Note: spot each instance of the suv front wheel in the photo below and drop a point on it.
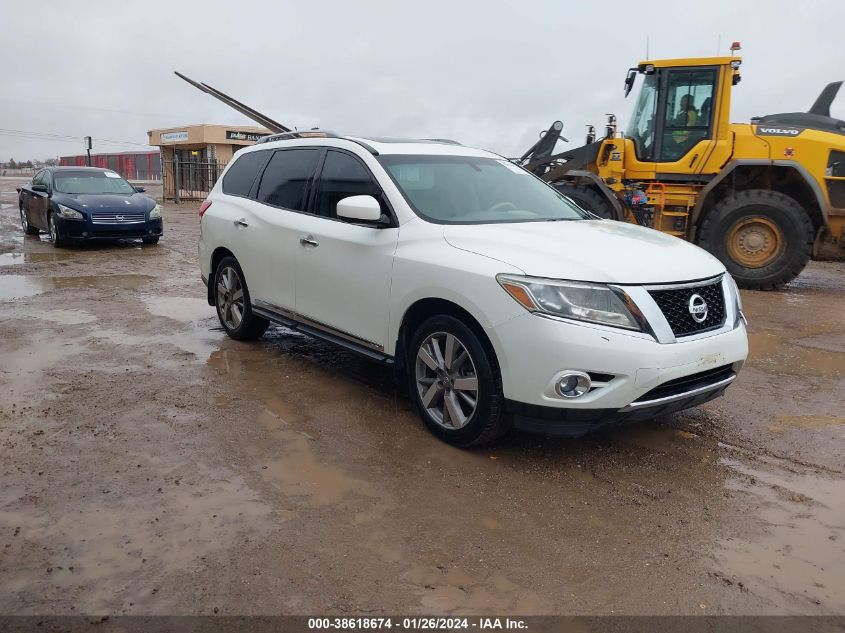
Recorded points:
(455, 383)
(231, 297)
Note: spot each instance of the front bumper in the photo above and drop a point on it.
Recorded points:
(86, 230)
(534, 352)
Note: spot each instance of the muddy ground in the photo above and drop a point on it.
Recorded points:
(148, 464)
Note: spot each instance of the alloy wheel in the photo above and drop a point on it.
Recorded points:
(446, 380)
(230, 298)
(24, 223)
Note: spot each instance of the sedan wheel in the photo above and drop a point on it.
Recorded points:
(28, 229)
(55, 238)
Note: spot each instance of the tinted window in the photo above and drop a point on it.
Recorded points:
(39, 178)
(286, 178)
(238, 180)
(343, 176)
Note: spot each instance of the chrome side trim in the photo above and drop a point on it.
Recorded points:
(680, 396)
(297, 318)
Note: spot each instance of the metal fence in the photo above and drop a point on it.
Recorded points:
(189, 179)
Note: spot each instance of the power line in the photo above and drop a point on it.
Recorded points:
(63, 137)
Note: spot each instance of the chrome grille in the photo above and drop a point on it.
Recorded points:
(675, 305)
(117, 218)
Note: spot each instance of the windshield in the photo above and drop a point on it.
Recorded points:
(641, 129)
(470, 190)
(91, 182)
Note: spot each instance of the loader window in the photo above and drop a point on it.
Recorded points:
(687, 118)
(641, 129)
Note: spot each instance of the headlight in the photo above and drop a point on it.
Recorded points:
(592, 303)
(156, 212)
(69, 214)
(740, 315)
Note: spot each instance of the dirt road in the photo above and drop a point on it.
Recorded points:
(148, 464)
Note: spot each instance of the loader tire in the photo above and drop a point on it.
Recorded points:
(590, 200)
(764, 238)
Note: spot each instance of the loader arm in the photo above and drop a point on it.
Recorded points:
(261, 119)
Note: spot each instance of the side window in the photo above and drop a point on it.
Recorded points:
(285, 181)
(689, 110)
(343, 176)
(38, 179)
(238, 180)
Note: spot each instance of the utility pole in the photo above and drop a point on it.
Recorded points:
(88, 148)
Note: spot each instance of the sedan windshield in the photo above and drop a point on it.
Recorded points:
(91, 182)
(472, 190)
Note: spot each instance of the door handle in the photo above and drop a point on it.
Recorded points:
(241, 222)
(308, 240)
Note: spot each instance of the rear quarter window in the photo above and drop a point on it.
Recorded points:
(242, 174)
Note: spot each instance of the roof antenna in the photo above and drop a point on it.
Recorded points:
(646, 47)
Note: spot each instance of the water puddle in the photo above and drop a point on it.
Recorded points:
(299, 473)
(787, 353)
(22, 286)
(66, 317)
(180, 308)
(197, 343)
(109, 282)
(799, 557)
(11, 259)
(17, 258)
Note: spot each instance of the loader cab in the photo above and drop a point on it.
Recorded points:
(674, 122)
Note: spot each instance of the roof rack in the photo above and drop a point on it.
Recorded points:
(298, 134)
(445, 141)
(315, 134)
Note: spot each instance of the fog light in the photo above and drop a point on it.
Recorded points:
(573, 384)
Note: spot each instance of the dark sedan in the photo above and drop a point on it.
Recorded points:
(87, 203)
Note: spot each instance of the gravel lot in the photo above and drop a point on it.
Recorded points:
(150, 465)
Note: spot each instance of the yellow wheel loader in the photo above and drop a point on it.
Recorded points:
(764, 197)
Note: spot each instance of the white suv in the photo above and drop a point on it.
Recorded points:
(503, 303)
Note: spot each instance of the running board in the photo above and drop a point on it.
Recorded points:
(323, 332)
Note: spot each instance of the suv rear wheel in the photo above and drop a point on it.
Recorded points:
(234, 309)
(455, 383)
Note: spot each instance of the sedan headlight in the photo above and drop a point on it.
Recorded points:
(593, 303)
(69, 214)
(156, 212)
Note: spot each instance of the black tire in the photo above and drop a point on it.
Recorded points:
(28, 229)
(781, 221)
(55, 237)
(150, 240)
(590, 200)
(488, 420)
(250, 326)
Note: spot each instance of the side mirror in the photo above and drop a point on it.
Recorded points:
(41, 188)
(140, 189)
(361, 208)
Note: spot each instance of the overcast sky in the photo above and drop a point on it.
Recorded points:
(487, 73)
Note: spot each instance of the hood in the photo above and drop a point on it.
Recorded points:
(587, 250)
(105, 201)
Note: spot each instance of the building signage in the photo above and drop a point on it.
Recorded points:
(232, 135)
(170, 137)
